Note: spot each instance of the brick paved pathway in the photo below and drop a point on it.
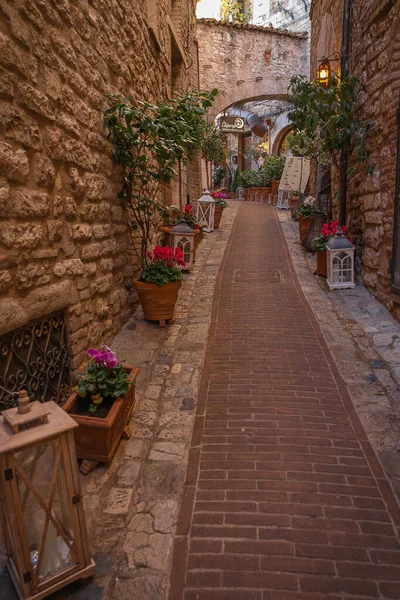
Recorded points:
(284, 497)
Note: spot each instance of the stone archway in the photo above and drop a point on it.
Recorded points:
(233, 58)
(280, 137)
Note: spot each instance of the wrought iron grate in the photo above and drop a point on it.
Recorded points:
(36, 358)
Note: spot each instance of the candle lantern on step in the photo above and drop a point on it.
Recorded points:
(340, 258)
(183, 238)
(205, 210)
(41, 505)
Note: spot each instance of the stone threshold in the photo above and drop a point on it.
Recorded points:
(364, 340)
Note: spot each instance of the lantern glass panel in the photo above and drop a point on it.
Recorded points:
(185, 245)
(45, 505)
(342, 268)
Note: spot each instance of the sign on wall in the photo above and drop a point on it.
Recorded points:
(231, 124)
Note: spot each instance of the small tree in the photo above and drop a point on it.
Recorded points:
(148, 142)
(187, 125)
(213, 146)
(326, 119)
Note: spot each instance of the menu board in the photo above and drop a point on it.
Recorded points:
(296, 173)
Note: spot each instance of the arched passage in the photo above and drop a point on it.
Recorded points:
(248, 62)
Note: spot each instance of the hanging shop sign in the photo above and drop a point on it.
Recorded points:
(231, 124)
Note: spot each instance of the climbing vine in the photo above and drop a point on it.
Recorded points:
(237, 11)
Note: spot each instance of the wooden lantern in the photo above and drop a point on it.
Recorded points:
(205, 209)
(183, 238)
(40, 500)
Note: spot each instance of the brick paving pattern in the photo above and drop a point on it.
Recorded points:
(284, 497)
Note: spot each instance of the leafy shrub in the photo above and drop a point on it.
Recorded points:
(103, 378)
(163, 266)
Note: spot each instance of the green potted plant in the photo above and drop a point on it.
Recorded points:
(159, 283)
(305, 212)
(319, 244)
(220, 205)
(274, 166)
(102, 404)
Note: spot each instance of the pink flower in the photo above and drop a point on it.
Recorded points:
(104, 357)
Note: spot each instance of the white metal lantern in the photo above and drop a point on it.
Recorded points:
(40, 499)
(205, 209)
(183, 238)
(283, 196)
(340, 262)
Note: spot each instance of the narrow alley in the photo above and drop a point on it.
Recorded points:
(284, 497)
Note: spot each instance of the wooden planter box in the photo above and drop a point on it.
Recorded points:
(97, 439)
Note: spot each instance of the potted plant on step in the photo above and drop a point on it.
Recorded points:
(220, 205)
(158, 285)
(305, 212)
(102, 404)
(319, 245)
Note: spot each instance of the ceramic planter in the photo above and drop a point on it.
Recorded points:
(322, 268)
(217, 216)
(304, 225)
(97, 438)
(158, 302)
(265, 192)
(293, 204)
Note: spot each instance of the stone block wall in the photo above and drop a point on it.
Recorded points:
(63, 236)
(375, 61)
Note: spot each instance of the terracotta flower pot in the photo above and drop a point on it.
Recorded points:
(275, 188)
(97, 438)
(245, 194)
(304, 225)
(167, 236)
(217, 216)
(322, 268)
(293, 203)
(158, 302)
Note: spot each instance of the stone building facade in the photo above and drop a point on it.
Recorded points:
(232, 58)
(372, 200)
(64, 243)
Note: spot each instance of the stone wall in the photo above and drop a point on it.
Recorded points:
(375, 61)
(63, 238)
(232, 58)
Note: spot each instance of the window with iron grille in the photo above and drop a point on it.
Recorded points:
(36, 358)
